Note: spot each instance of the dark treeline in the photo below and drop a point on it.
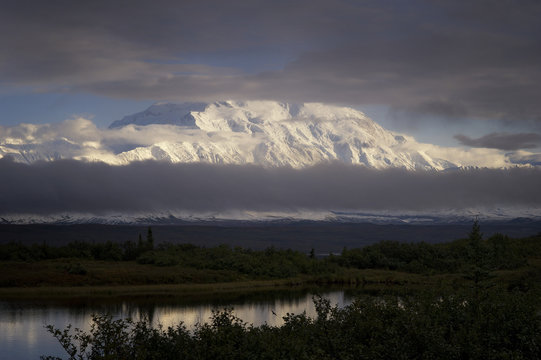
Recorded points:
(127, 251)
(494, 253)
(497, 252)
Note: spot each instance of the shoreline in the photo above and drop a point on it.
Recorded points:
(380, 281)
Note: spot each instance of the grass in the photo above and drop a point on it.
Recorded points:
(57, 279)
(51, 279)
(131, 291)
(79, 277)
(77, 272)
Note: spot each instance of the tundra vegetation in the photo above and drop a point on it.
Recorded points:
(461, 325)
(473, 298)
(145, 262)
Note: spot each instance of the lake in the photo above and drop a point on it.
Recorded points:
(22, 325)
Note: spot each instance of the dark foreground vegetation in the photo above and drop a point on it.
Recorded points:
(473, 298)
(465, 325)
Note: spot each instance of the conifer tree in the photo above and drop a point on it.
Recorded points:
(140, 245)
(150, 239)
(477, 256)
(475, 246)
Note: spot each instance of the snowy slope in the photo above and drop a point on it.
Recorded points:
(253, 132)
(432, 217)
(163, 113)
(276, 134)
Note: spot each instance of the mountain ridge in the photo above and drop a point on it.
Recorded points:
(265, 133)
(289, 134)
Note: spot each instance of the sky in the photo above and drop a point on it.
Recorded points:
(451, 73)
(435, 69)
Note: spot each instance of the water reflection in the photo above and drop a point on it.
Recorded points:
(23, 334)
(256, 313)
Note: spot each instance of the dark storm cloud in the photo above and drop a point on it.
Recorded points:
(502, 141)
(71, 186)
(525, 158)
(449, 59)
(70, 42)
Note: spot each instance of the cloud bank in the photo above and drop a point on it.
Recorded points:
(503, 141)
(71, 186)
(447, 59)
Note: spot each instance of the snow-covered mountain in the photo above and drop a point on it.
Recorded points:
(253, 132)
(432, 217)
(163, 113)
(274, 134)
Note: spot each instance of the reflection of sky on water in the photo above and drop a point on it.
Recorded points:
(252, 313)
(23, 334)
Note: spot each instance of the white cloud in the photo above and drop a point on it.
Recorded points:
(491, 158)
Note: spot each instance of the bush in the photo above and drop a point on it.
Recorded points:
(466, 325)
(76, 269)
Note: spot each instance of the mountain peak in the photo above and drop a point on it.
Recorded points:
(272, 133)
(182, 114)
(266, 133)
(162, 113)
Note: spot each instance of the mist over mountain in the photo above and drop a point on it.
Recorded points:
(265, 133)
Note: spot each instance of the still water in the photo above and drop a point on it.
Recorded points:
(22, 325)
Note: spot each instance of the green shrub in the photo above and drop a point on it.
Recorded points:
(466, 325)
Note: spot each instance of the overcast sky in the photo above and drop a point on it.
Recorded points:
(429, 68)
(463, 73)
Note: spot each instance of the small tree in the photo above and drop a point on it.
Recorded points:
(475, 246)
(140, 244)
(150, 239)
(477, 256)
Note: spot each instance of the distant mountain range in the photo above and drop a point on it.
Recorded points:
(515, 216)
(264, 133)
